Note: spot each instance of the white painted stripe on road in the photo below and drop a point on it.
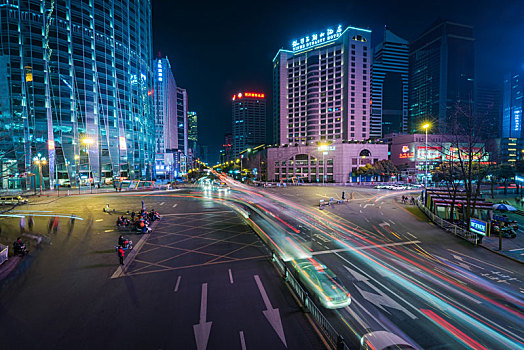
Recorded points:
(174, 205)
(199, 213)
(230, 276)
(360, 211)
(412, 235)
(393, 222)
(515, 250)
(366, 219)
(364, 248)
(484, 262)
(162, 203)
(242, 340)
(177, 283)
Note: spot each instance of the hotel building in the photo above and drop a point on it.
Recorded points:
(248, 121)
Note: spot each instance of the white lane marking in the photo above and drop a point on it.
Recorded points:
(174, 205)
(367, 204)
(272, 315)
(203, 328)
(412, 235)
(484, 262)
(360, 211)
(162, 203)
(393, 222)
(230, 276)
(364, 248)
(242, 340)
(515, 250)
(381, 213)
(366, 219)
(177, 283)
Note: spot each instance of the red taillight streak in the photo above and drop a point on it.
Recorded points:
(453, 330)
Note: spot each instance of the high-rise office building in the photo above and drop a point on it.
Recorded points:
(165, 107)
(76, 82)
(441, 76)
(322, 88)
(182, 144)
(488, 111)
(192, 134)
(389, 86)
(248, 121)
(512, 105)
(512, 140)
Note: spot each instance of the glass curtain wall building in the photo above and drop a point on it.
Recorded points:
(76, 88)
(389, 86)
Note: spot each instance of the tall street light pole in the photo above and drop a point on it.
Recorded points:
(426, 127)
(39, 160)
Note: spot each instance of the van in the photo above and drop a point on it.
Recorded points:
(12, 200)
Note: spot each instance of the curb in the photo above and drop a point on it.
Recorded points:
(501, 254)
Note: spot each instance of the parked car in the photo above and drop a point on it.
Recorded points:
(12, 200)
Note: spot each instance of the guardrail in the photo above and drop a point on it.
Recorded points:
(4, 251)
(448, 226)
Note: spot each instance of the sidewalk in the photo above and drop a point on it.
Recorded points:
(511, 247)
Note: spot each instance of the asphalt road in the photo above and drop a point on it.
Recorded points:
(405, 275)
(201, 280)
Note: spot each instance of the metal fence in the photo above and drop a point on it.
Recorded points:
(448, 226)
(4, 251)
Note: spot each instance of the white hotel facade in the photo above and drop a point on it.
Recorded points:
(322, 96)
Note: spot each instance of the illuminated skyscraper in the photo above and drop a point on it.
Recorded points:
(165, 106)
(389, 86)
(75, 80)
(441, 76)
(249, 121)
(512, 106)
(321, 88)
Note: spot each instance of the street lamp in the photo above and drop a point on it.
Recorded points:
(426, 127)
(324, 148)
(39, 160)
(87, 141)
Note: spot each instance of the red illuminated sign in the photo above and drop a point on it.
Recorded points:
(249, 94)
(405, 155)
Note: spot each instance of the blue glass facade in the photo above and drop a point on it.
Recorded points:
(75, 81)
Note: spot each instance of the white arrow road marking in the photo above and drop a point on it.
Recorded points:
(242, 340)
(230, 276)
(203, 328)
(174, 205)
(177, 283)
(272, 315)
(384, 224)
(379, 299)
(366, 205)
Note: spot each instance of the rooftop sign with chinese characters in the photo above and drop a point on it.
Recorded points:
(248, 94)
(317, 39)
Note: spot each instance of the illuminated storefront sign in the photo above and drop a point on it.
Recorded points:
(316, 39)
(433, 153)
(478, 226)
(248, 94)
(406, 155)
(122, 143)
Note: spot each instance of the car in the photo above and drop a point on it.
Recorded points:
(12, 200)
(323, 283)
(383, 340)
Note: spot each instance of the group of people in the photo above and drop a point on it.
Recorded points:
(140, 221)
(406, 199)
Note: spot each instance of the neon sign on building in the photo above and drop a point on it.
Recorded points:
(316, 39)
(248, 94)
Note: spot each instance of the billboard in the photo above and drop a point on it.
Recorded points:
(478, 226)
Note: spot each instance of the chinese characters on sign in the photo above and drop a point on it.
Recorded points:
(316, 39)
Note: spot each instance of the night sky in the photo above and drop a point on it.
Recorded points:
(222, 47)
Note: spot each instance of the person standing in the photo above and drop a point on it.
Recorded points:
(30, 223)
(143, 206)
(120, 252)
(343, 195)
(22, 224)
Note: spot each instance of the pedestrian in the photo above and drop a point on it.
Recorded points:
(72, 222)
(107, 208)
(55, 224)
(22, 224)
(143, 206)
(120, 252)
(30, 223)
(343, 195)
